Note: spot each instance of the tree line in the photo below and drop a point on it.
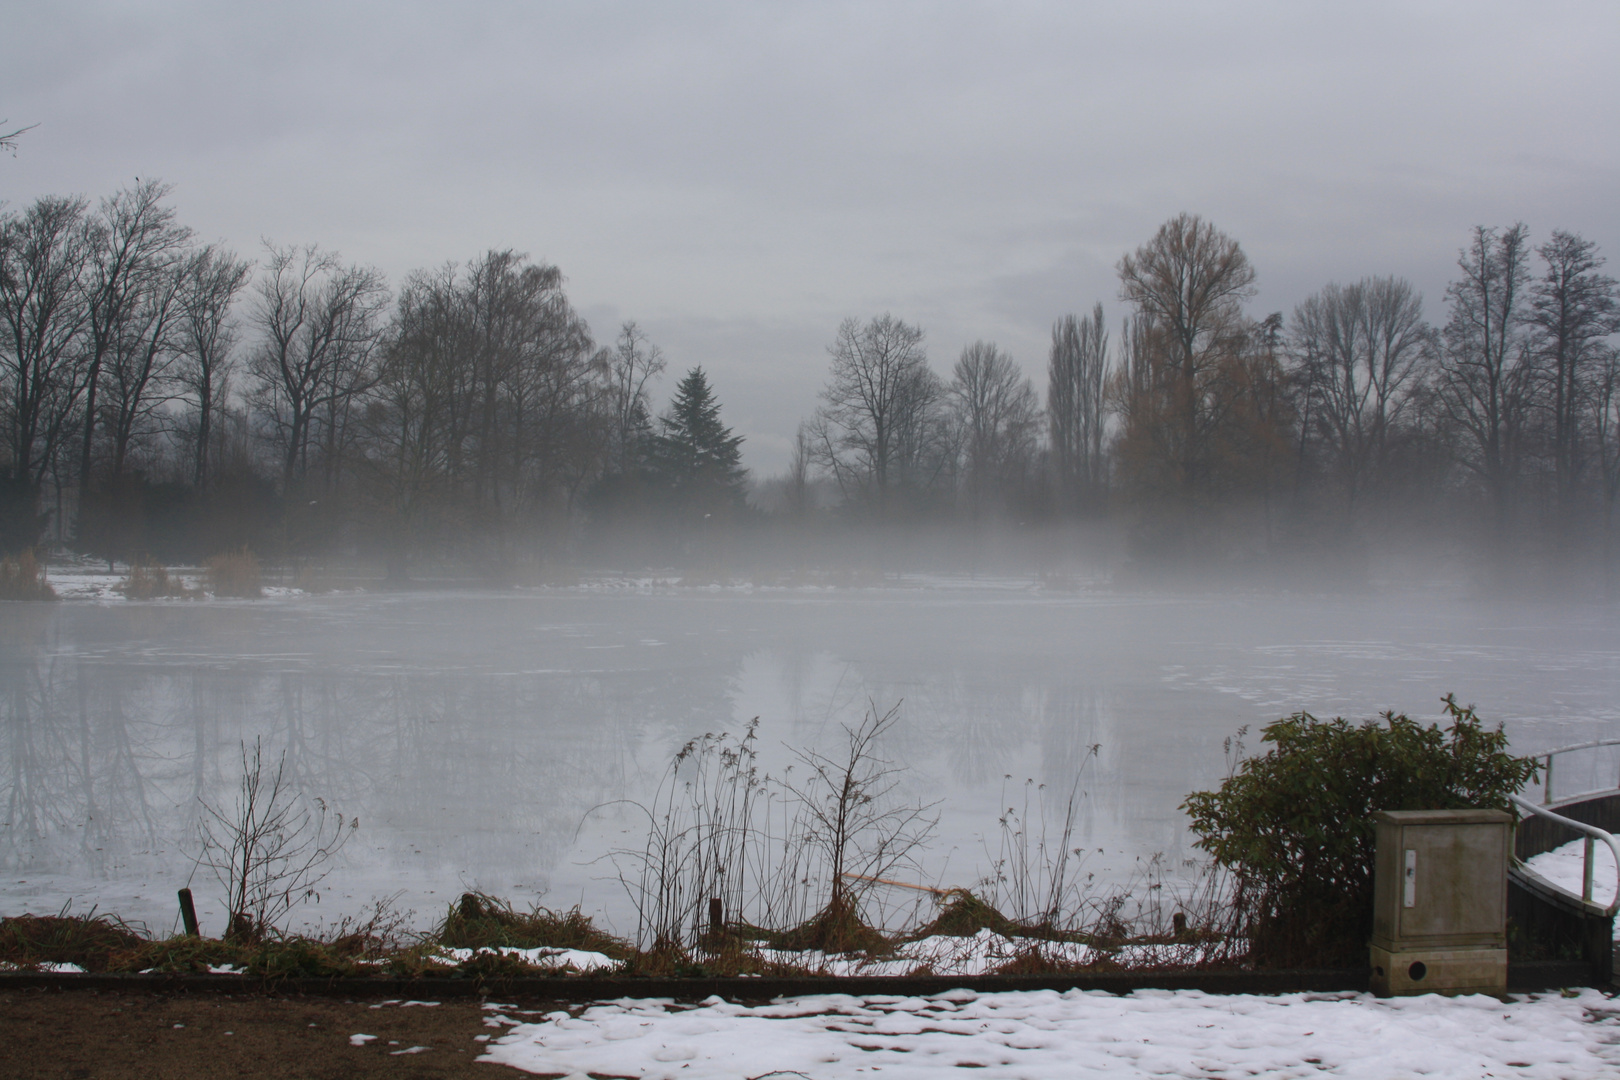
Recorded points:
(169, 397)
(1196, 419)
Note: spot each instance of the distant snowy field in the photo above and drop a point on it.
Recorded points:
(1051, 1036)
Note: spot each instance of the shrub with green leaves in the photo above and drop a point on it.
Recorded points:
(1295, 824)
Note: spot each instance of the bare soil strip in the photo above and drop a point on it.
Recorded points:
(103, 1035)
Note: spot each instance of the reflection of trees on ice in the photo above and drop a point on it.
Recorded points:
(75, 785)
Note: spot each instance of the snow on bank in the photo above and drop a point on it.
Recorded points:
(1045, 1035)
(980, 954)
(1563, 867)
(580, 960)
(987, 953)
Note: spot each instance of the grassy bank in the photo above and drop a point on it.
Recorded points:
(482, 936)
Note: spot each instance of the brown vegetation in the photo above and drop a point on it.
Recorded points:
(478, 920)
(22, 577)
(235, 573)
(149, 580)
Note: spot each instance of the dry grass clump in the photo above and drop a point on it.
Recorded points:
(1032, 959)
(94, 942)
(963, 914)
(181, 955)
(149, 579)
(836, 928)
(235, 573)
(22, 577)
(478, 920)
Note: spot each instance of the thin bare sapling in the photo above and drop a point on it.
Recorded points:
(272, 849)
(854, 822)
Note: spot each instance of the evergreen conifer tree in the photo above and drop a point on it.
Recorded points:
(696, 455)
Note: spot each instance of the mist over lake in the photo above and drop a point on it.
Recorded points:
(488, 739)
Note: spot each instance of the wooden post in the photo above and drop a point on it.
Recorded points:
(717, 916)
(188, 913)
(1586, 872)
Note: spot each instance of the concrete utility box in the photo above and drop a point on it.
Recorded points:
(1440, 902)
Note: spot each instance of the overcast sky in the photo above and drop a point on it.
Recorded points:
(739, 178)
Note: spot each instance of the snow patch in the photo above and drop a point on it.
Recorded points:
(1046, 1035)
(980, 954)
(1563, 867)
(581, 960)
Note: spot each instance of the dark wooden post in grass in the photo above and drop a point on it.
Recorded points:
(188, 913)
(717, 917)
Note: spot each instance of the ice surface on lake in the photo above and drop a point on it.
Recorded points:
(486, 739)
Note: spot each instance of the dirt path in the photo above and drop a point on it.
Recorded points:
(91, 1035)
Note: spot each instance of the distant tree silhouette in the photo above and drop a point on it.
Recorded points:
(1188, 285)
(1487, 371)
(696, 455)
(1076, 408)
(880, 425)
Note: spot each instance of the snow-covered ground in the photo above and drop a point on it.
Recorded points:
(88, 580)
(1564, 867)
(1046, 1035)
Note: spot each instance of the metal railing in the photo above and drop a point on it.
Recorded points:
(1546, 757)
(1592, 835)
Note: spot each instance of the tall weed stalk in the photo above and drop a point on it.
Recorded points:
(1035, 877)
(791, 859)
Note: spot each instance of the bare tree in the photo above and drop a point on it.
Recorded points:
(797, 488)
(136, 371)
(43, 257)
(421, 430)
(853, 818)
(1076, 406)
(206, 339)
(997, 414)
(1574, 308)
(1486, 369)
(134, 240)
(1190, 281)
(878, 413)
(1603, 405)
(635, 362)
(272, 849)
(1359, 351)
(549, 432)
(319, 327)
(487, 400)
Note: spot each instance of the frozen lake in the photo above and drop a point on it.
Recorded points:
(473, 732)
